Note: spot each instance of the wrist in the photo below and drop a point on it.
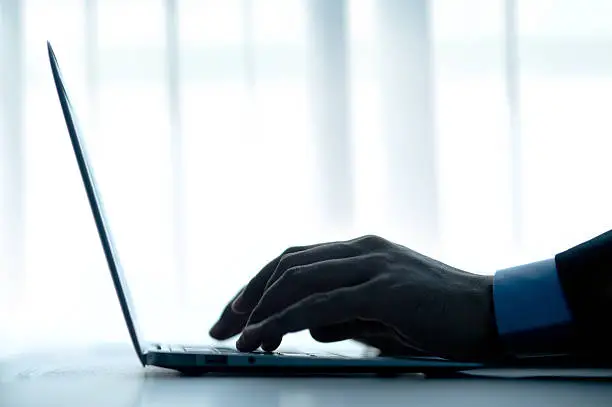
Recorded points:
(477, 337)
(492, 344)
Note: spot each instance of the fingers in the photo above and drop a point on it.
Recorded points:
(236, 314)
(251, 294)
(329, 251)
(230, 323)
(300, 282)
(328, 308)
(300, 256)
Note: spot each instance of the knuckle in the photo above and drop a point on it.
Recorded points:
(285, 262)
(294, 273)
(293, 277)
(371, 241)
(291, 250)
(286, 255)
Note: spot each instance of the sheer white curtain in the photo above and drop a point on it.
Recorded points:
(222, 132)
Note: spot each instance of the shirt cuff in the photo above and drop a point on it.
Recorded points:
(531, 312)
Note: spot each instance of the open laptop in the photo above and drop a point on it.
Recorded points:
(201, 359)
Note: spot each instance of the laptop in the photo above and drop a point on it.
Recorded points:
(200, 359)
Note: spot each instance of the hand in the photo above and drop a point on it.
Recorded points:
(367, 289)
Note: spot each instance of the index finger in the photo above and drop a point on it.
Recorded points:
(230, 323)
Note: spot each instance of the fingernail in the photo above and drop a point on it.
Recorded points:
(237, 305)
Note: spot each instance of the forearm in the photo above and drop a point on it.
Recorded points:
(585, 274)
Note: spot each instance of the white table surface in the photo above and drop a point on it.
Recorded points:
(111, 376)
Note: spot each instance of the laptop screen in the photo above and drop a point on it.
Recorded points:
(97, 209)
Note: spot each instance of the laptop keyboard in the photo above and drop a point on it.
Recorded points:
(224, 350)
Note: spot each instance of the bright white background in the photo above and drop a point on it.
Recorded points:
(208, 179)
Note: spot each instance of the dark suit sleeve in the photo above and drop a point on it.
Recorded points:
(585, 275)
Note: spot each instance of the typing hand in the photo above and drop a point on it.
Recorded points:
(367, 289)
